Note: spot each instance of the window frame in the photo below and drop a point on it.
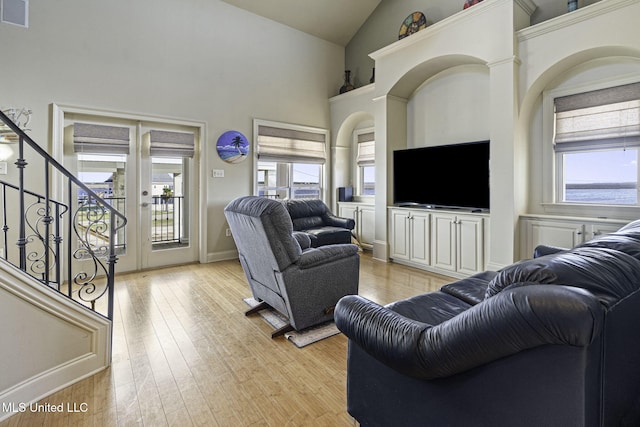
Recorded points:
(552, 168)
(359, 170)
(290, 187)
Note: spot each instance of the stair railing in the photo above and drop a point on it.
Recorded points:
(69, 245)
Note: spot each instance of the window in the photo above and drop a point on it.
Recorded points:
(596, 142)
(290, 162)
(365, 159)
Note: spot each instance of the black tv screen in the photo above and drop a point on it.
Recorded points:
(454, 176)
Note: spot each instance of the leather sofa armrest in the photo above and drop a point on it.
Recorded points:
(303, 239)
(542, 250)
(512, 321)
(336, 221)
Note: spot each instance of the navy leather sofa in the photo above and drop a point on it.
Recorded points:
(313, 217)
(551, 341)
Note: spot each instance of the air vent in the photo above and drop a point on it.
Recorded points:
(15, 12)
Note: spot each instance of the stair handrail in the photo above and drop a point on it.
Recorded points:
(116, 221)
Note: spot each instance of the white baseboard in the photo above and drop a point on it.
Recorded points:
(222, 256)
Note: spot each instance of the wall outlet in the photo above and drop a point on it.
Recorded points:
(227, 232)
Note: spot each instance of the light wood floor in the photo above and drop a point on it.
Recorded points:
(184, 354)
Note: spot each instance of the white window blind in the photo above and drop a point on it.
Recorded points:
(172, 144)
(290, 145)
(607, 117)
(100, 139)
(366, 155)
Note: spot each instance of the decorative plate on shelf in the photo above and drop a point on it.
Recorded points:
(469, 3)
(232, 147)
(412, 24)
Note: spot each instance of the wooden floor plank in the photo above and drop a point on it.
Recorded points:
(185, 354)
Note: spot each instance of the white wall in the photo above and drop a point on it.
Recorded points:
(200, 60)
(450, 108)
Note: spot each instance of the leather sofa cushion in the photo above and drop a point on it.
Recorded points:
(432, 308)
(609, 274)
(471, 289)
(328, 235)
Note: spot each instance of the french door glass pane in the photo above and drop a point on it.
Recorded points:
(105, 175)
(169, 209)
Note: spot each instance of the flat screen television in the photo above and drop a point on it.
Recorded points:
(446, 176)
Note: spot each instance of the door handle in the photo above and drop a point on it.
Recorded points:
(144, 204)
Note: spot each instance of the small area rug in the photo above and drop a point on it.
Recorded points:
(299, 338)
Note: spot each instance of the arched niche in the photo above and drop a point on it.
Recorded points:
(587, 69)
(343, 165)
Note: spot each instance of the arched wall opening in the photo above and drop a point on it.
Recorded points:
(582, 71)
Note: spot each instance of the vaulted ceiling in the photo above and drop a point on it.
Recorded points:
(333, 20)
(338, 20)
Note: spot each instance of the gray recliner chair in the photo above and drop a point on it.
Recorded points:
(284, 272)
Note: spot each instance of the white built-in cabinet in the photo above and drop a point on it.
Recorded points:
(457, 243)
(560, 231)
(409, 236)
(449, 243)
(364, 215)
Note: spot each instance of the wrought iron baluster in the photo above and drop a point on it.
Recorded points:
(57, 241)
(5, 226)
(47, 223)
(70, 202)
(177, 218)
(22, 240)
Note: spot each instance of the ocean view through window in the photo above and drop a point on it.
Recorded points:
(601, 177)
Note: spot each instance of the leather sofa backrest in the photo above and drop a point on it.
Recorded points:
(609, 274)
(307, 223)
(618, 241)
(306, 213)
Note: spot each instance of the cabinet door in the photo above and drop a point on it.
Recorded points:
(419, 237)
(367, 217)
(595, 230)
(348, 211)
(443, 245)
(470, 241)
(399, 230)
(554, 233)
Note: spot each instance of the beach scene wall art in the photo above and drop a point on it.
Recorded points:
(232, 147)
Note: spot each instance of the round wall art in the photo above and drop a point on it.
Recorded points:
(412, 24)
(232, 147)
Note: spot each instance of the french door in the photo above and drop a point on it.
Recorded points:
(147, 170)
